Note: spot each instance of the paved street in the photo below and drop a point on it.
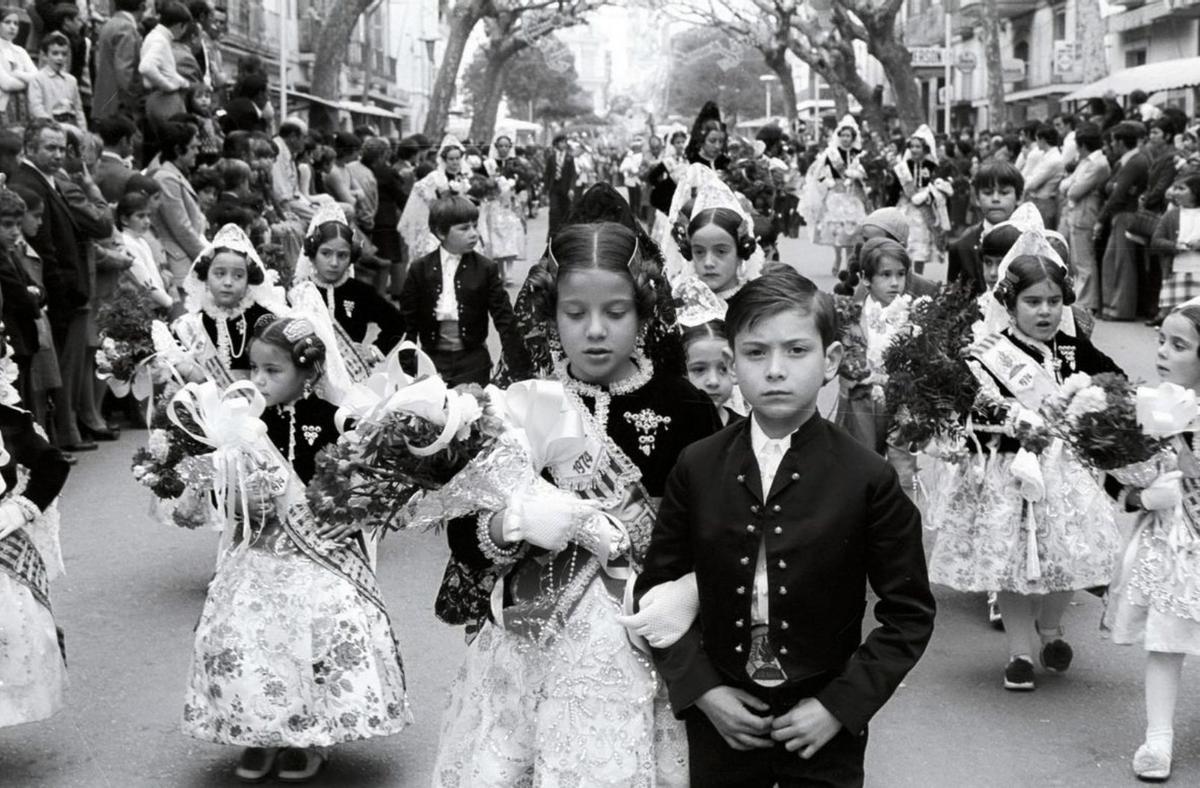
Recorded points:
(134, 590)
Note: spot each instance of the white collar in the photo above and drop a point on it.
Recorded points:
(1127, 156)
(759, 439)
(448, 258)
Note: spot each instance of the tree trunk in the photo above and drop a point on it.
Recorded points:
(1089, 32)
(897, 64)
(777, 61)
(841, 100)
(336, 28)
(487, 106)
(463, 18)
(993, 64)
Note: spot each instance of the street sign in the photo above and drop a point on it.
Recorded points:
(966, 62)
(928, 57)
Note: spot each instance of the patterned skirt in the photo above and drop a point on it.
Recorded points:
(288, 654)
(1177, 289)
(983, 528)
(843, 211)
(32, 671)
(1157, 600)
(587, 710)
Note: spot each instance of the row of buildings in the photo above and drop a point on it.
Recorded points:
(1055, 54)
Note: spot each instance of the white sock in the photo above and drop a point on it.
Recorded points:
(1160, 739)
(1049, 635)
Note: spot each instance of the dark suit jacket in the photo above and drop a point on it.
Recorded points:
(111, 175)
(21, 308)
(559, 184)
(1124, 186)
(62, 244)
(835, 519)
(964, 259)
(117, 89)
(480, 292)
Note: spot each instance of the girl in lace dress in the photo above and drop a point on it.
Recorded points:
(451, 176)
(294, 651)
(835, 201)
(552, 693)
(327, 261)
(1157, 600)
(884, 312)
(33, 673)
(922, 196)
(1033, 527)
(227, 290)
(501, 214)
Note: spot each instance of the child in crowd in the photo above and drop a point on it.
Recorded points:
(719, 244)
(200, 106)
(1155, 601)
(44, 376)
(23, 299)
(449, 294)
(54, 81)
(862, 411)
(997, 187)
(709, 359)
(1177, 242)
(133, 222)
(294, 651)
(552, 692)
(783, 541)
(993, 532)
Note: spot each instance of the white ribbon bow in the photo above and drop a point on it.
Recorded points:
(1166, 409)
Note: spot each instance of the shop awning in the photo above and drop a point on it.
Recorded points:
(358, 108)
(310, 98)
(1030, 94)
(1152, 77)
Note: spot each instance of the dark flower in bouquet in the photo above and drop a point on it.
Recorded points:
(482, 187)
(929, 385)
(124, 322)
(374, 469)
(172, 461)
(1097, 416)
(854, 365)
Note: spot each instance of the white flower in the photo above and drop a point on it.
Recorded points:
(150, 479)
(1089, 400)
(159, 444)
(139, 472)
(1075, 383)
(109, 344)
(471, 413)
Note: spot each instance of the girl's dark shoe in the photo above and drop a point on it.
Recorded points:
(256, 764)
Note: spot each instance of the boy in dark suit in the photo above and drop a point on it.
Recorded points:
(448, 295)
(997, 188)
(784, 519)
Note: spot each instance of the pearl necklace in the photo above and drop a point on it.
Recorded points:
(289, 410)
(225, 342)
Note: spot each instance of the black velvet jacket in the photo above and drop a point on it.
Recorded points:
(238, 340)
(834, 520)
(358, 304)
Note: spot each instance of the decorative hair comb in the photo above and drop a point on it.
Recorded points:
(298, 329)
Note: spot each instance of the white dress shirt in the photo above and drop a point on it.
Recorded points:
(768, 453)
(447, 303)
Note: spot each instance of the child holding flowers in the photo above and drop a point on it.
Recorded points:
(294, 651)
(1157, 600)
(552, 692)
(1022, 515)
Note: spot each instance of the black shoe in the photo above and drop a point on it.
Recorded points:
(1056, 655)
(256, 764)
(81, 446)
(1018, 676)
(105, 434)
(70, 458)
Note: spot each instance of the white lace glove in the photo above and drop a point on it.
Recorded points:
(1163, 493)
(13, 517)
(666, 612)
(544, 516)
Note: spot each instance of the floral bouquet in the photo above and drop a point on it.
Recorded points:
(126, 346)
(410, 435)
(1098, 417)
(929, 384)
(854, 367)
(172, 466)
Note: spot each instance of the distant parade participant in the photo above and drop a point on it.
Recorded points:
(835, 201)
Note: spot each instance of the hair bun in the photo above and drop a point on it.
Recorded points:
(679, 232)
(746, 246)
(308, 351)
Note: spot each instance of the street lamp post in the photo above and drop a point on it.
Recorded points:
(767, 79)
